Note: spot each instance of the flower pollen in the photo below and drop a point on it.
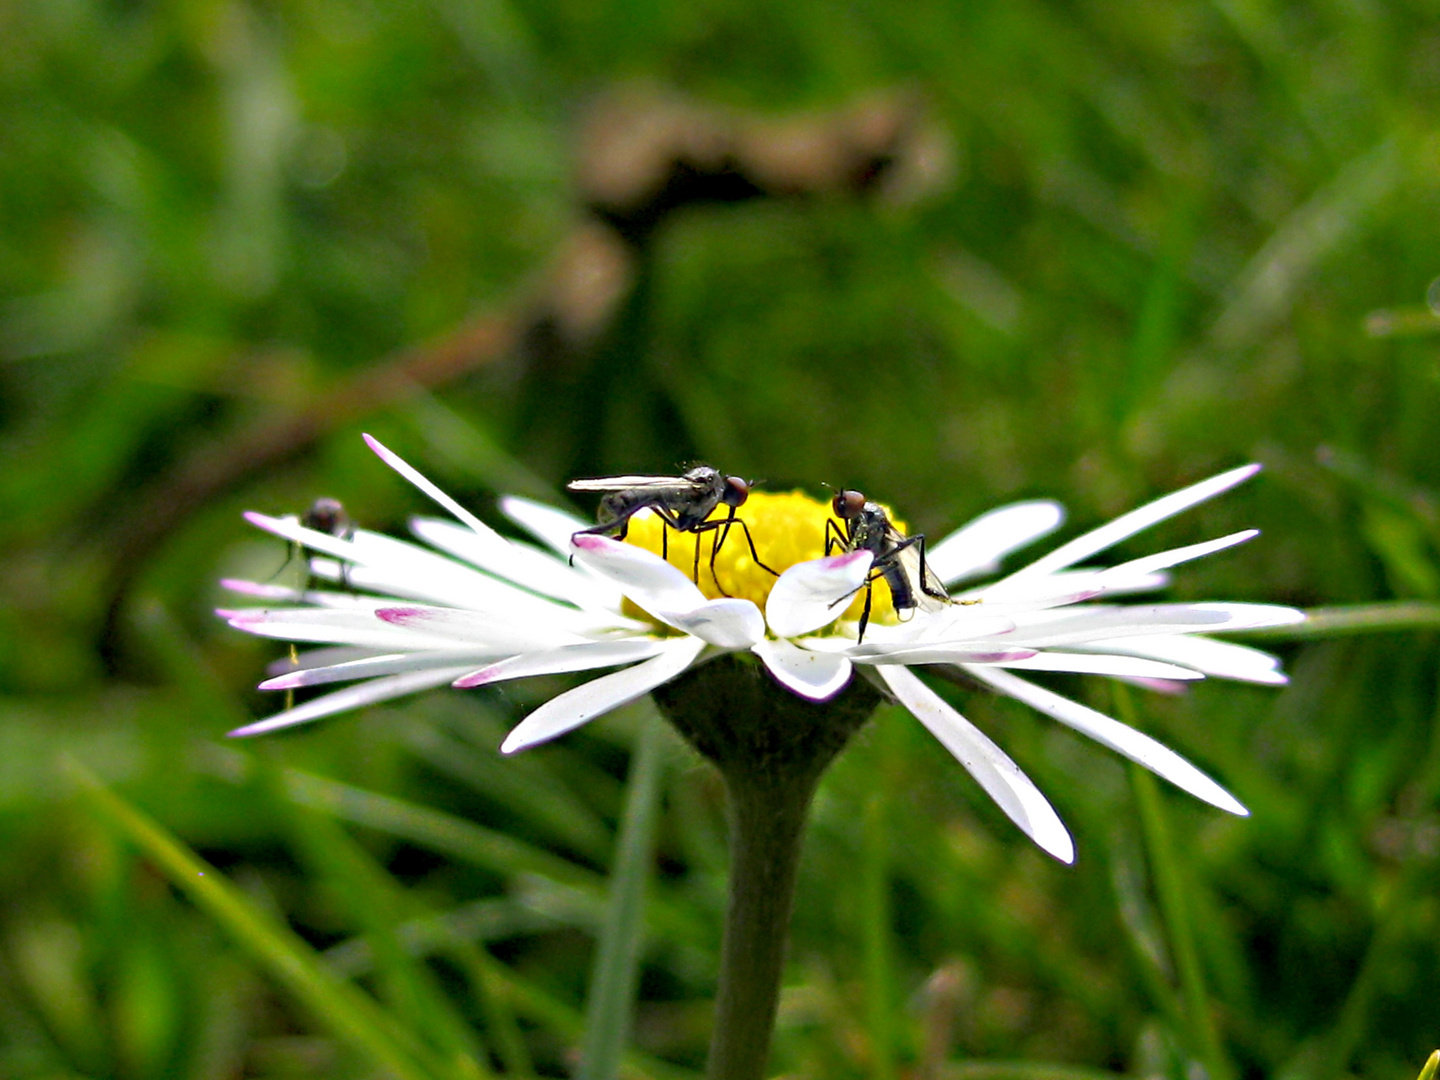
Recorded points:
(787, 528)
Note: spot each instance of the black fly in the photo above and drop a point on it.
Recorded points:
(329, 517)
(899, 559)
(683, 503)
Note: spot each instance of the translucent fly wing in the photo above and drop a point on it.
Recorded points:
(632, 483)
(932, 596)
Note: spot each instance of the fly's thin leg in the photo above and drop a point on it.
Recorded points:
(751, 542)
(865, 614)
(617, 529)
(834, 538)
(695, 567)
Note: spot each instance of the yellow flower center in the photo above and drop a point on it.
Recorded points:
(787, 527)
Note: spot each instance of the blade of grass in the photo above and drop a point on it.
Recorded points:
(379, 905)
(486, 984)
(351, 1015)
(471, 843)
(876, 916)
(1170, 887)
(610, 1003)
(1357, 619)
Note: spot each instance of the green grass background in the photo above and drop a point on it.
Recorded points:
(1170, 239)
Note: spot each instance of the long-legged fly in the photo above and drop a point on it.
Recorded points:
(683, 503)
(899, 559)
(327, 516)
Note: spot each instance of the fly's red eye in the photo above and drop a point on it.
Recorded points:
(736, 491)
(847, 504)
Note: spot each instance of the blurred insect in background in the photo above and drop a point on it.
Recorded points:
(327, 516)
(899, 559)
(683, 503)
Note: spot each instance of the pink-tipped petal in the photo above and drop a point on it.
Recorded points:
(1126, 525)
(352, 697)
(338, 626)
(1123, 739)
(814, 675)
(599, 696)
(987, 763)
(409, 472)
(586, 657)
(668, 594)
(372, 667)
(811, 594)
(261, 590)
(643, 576)
(978, 547)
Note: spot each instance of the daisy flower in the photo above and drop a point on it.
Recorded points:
(472, 608)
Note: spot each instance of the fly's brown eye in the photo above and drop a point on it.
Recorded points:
(847, 504)
(736, 491)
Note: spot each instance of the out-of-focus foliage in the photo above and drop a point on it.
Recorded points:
(1095, 251)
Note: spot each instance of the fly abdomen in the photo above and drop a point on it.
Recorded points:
(902, 596)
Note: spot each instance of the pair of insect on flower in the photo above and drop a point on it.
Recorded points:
(685, 503)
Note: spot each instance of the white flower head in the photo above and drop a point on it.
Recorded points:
(474, 608)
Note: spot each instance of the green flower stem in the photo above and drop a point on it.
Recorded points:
(771, 748)
(766, 825)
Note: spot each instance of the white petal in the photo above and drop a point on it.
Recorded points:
(289, 528)
(1164, 560)
(352, 697)
(730, 623)
(595, 654)
(1253, 616)
(313, 658)
(457, 625)
(648, 580)
(1130, 667)
(325, 625)
(519, 563)
(978, 547)
(814, 675)
(314, 597)
(1126, 525)
(371, 666)
(1080, 625)
(584, 703)
(384, 564)
(1138, 747)
(1048, 590)
(262, 590)
(955, 623)
(412, 474)
(1223, 659)
(992, 768)
(807, 596)
(552, 527)
(987, 652)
